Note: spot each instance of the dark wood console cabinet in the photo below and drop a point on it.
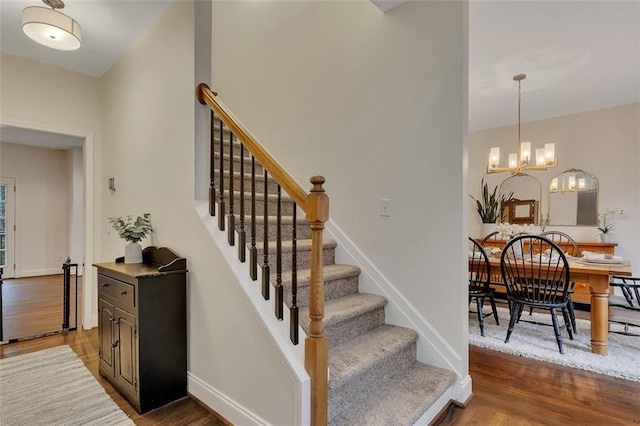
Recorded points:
(142, 324)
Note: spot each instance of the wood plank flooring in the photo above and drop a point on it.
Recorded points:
(32, 306)
(84, 343)
(508, 390)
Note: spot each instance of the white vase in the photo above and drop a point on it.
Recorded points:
(133, 253)
(487, 228)
(607, 238)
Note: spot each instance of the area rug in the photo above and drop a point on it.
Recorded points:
(539, 342)
(53, 387)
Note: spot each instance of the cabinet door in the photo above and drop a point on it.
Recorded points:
(105, 326)
(126, 368)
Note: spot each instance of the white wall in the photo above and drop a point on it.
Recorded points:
(75, 207)
(43, 97)
(375, 103)
(604, 142)
(41, 207)
(148, 136)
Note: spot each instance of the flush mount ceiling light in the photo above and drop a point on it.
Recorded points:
(51, 28)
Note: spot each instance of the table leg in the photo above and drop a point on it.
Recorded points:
(599, 322)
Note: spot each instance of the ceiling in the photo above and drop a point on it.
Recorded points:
(578, 56)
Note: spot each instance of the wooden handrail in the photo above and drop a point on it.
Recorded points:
(315, 204)
(290, 186)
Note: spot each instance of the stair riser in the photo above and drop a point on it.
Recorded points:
(273, 185)
(236, 163)
(286, 208)
(303, 230)
(346, 330)
(353, 392)
(225, 146)
(304, 258)
(332, 290)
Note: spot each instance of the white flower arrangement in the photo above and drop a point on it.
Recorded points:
(508, 230)
(606, 227)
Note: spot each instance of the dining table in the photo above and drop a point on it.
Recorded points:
(597, 276)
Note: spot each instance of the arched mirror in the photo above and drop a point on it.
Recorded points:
(573, 199)
(526, 192)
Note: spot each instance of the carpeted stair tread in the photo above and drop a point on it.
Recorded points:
(363, 353)
(347, 307)
(259, 196)
(400, 399)
(331, 273)
(302, 245)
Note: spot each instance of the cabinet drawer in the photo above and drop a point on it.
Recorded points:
(125, 294)
(106, 286)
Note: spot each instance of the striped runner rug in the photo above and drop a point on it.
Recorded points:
(53, 387)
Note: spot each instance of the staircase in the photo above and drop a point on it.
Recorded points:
(374, 377)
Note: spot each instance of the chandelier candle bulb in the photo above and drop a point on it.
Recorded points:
(513, 160)
(554, 184)
(572, 182)
(540, 158)
(494, 157)
(550, 152)
(525, 150)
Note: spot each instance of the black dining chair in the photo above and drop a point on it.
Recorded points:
(569, 246)
(479, 285)
(624, 304)
(536, 278)
(564, 241)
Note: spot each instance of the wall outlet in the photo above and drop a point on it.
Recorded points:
(385, 207)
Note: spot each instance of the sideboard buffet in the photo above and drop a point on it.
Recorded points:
(142, 326)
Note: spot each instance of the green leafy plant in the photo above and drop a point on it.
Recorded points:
(132, 230)
(490, 206)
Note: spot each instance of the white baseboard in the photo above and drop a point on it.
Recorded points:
(221, 403)
(432, 348)
(39, 272)
(462, 386)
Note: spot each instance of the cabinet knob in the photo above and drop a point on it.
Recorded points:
(114, 344)
(123, 292)
(105, 285)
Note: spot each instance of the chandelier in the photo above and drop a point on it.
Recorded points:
(51, 28)
(521, 161)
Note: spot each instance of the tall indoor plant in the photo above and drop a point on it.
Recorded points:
(132, 231)
(490, 206)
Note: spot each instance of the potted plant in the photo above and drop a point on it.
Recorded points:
(606, 227)
(132, 231)
(490, 206)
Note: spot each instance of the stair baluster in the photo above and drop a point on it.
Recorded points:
(212, 168)
(221, 207)
(242, 235)
(231, 219)
(293, 310)
(253, 251)
(265, 242)
(278, 287)
(315, 204)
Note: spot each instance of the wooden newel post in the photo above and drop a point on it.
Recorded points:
(316, 344)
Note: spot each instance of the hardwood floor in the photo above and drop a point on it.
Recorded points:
(32, 306)
(185, 411)
(516, 391)
(508, 390)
